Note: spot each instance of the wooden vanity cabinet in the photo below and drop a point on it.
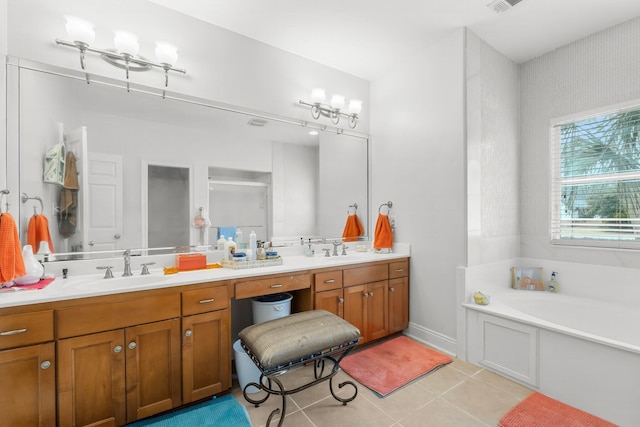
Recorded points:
(206, 342)
(27, 369)
(124, 364)
(398, 296)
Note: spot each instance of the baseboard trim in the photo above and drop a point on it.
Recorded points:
(431, 338)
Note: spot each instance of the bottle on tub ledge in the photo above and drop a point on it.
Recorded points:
(553, 285)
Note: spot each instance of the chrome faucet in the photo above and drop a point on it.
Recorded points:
(127, 263)
(335, 247)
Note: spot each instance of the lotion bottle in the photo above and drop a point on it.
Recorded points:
(253, 245)
(229, 249)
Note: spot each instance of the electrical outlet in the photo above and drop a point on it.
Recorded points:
(392, 221)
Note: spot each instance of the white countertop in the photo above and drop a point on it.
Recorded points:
(90, 285)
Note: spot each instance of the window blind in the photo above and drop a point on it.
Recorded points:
(595, 185)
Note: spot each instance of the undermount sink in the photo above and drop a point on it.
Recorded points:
(119, 282)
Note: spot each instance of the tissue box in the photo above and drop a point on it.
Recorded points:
(186, 262)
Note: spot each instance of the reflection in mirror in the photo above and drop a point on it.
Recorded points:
(168, 206)
(306, 183)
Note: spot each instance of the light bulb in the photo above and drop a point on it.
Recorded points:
(337, 101)
(80, 30)
(166, 53)
(355, 106)
(317, 95)
(126, 43)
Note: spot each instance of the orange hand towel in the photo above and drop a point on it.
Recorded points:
(383, 236)
(352, 229)
(38, 231)
(11, 261)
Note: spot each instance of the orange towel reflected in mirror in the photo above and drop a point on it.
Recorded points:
(352, 229)
(11, 261)
(383, 235)
(38, 231)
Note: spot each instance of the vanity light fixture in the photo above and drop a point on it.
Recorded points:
(125, 55)
(335, 109)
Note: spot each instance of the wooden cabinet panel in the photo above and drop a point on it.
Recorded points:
(91, 380)
(17, 330)
(90, 318)
(328, 280)
(27, 386)
(203, 300)
(272, 285)
(377, 310)
(398, 304)
(152, 368)
(206, 355)
(354, 308)
(361, 275)
(399, 269)
(332, 301)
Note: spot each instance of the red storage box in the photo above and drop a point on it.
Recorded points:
(191, 261)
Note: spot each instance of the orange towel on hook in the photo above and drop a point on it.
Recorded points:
(11, 261)
(383, 236)
(38, 231)
(352, 229)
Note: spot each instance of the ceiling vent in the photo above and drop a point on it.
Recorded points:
(257, 122)
(499, 6)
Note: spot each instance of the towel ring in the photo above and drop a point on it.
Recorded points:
(4, 193)
(388, 205)
(24, 199)
(355, 209)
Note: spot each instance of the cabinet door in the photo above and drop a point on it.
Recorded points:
(377, 310)
(398, 304)
(354, 309)
(27, 386)
(332, 301)
(206, 355)
(91, 386)
(153, 368)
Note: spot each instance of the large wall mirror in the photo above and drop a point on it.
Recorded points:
(144, 169)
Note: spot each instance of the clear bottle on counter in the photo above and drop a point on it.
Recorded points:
(253, 246)
(261, 253)
(229, 249)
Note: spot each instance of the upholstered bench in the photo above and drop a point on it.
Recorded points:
(277, 345)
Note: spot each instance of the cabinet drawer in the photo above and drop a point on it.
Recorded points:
(360, 275)
(272, 285)
(98, 317)
(17, 330)
(399, 269)
(328, 280)
(203, 300)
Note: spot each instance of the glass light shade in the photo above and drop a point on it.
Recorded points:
(166, 53)
(317, 95)
(80, 30)
(355, 106)
(43, 249)
(126, 43)
(337, 101)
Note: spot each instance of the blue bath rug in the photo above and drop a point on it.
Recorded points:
(219, 411)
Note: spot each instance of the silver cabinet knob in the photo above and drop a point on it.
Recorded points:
(392, 289)
(188, 333)
(132, 345)
(117, 349)
(45, 365)
(341, 300)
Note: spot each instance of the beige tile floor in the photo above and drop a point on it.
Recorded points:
(458, 394)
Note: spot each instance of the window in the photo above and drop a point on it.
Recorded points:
(595, 186)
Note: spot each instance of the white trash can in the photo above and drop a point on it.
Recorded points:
(247, 371)
(270, 307)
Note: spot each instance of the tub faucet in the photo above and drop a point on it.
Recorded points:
(335, 247)
(127, 263)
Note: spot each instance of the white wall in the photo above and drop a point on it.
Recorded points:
(597, 71)
(493, 111)
(418, 163)
(3, 96)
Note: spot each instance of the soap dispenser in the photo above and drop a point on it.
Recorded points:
(310, 252)
(553, 285)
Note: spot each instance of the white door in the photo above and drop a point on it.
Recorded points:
(104, 220)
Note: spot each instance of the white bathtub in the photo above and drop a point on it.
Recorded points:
(582, 351)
